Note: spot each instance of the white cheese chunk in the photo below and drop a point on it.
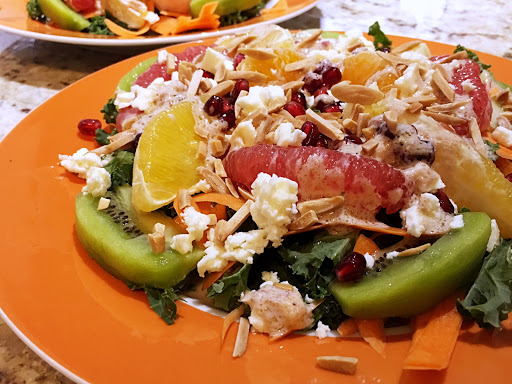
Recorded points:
(286, 135)
(261, 98)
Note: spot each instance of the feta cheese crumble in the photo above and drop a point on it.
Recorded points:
(322, 330)
(196, 223)
(370, 261)
(494, 239)
(286, 135)
(503, 136)
(244, 135)
(261, 98)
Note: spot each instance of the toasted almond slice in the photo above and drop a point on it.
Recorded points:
(284, 286)
(255, 77)
(237, 41)
(118, 140)
(202, 150)
(170, 63)
(330, 115)
(391, 119)
(293, 85)
(213, 219)
(415, 107)
(477, 137)
(321, 205)
(310, 39)
(506, 115)
(304, 64)
(456, 56)
(362, 123)
(394, 59)
(368, 132)
(350, 126)
(442, 70)
(245, 194)
(241, 337)
(340, 364)
(370, 146)
(219, 168)
(230, 318)
(103, 203)
(258, 53)
(424, 100)
(414, 251)
(157, 238)
(325, 126)
(184, 199)
(225, 228)
(443, 118)
(220, 74)
(304, 221)
(353, 93)
(443, 85)
(504, 122)
(216, 147)
(215, 181)
(448, 107)
(219, 90)
(406, 46)
(194, 83)
(231, 187)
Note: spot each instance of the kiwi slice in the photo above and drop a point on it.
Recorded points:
(58, 12)
(411, 285)
(117, 239)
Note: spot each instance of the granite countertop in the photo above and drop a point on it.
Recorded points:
(33, 71)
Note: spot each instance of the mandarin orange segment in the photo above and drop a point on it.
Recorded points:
(274, 68)
(359, 68)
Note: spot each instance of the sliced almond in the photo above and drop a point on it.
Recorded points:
(406, 46)
(237, 41)
(215, 181)
(213, 219)
(424, 100)
(368, 132)
(474, 130)
(293, 85)
(202, 150)
(414, 251)
(103, 203)
(245, 194)
(241, 337)
(448, 107)
(217, 147)
(370, 146)
(362, 123)
(443, 118)
(219, 90)
(353, 93)
(340, 364)
(157, 238)
(230, 318)
(219, 168)
(170, 63)
(456, 56)
(330, 115)
(321, 205)
(225, 228)
(305, 64)
(391, 119)
(231, 187)
(394, 59)
(325, 126)
(184, 199)
(350, 126)
(310, 39)
(220, 73)
(194, 83)
(252, 76)
(443, 85)
(415, 107)
(118, 140)
(258, 53)
(304, 221)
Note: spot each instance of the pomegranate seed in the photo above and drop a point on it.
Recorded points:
(214, 106)
(351, 267)
(321, 91)
(229, 117)
(240, 85)
(299, 97)
(323, 66)
(238, 59)
(330, 108)
(353, 139)
(331, 76)
(509, 177)
(89, 126)
(313, 136)
(295, 109)
(312, 82)
(445, 202)
(226, 105)
(208, 75)
(322, 141)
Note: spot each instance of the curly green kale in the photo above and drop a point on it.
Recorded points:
(34, 11)
(98, 27)
(380, 40)
(241, 16)
(473, 56)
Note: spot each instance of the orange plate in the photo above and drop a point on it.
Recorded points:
(94, 327)
(14, 19)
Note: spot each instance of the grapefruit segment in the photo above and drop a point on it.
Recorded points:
(321, 172)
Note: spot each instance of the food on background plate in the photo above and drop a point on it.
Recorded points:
(132, 18)
(305, 181)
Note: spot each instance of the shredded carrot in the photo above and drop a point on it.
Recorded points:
(507, 323)
(126, 33)
(434, 337)
(220, 198)
(230, 318)
(347, 327)
(365, 245)
(178, 218)
(173, 14)
(208, 208)
(372, 331)
(504, 165)
(214, 276)
(165, 26)
(504, 152)
(207, 19)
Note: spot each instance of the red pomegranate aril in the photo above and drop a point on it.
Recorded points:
(214, 106)
(312, 82)
(351, 268)
(299, 97)
(89, 126)
(353, 139)
(444, 202)
(323, 66)
(321, 91)
(238, 59)
(331, 76)
(229, 117)
(240, 85)
(208, 74)
(322, 141)
(509, 177)
(311, 132)
(227, 105)
(295, 109)
(331, 108)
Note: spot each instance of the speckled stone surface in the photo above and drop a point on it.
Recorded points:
(33, 71)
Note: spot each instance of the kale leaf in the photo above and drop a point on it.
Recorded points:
(101, 136)
(162, 301)
(473, 56)
(110, 111)
(121, 168)
(380, 40)
(34, 11)
(98, 26)
(241, 16)
(227, 291)
(489, 300)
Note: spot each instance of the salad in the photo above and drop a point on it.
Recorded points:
(132, 18)
(308, 181)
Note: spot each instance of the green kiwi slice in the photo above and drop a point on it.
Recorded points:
(117, 239)
(411, 285)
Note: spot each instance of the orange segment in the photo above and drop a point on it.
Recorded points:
(359, 68)
(274, 68)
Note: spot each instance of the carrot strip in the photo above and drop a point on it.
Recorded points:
(365, 245)
(123, 32)
(504, 152)
(372, 331)
(434, 337)
(507, 323)
(151, 5)
(220, 198)
(165, 26)
(347, 327)
(207, 19)
(173, 14)
(179, 212)
(230, 318)
(214, 276)
(208, 208)
(504, 165)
